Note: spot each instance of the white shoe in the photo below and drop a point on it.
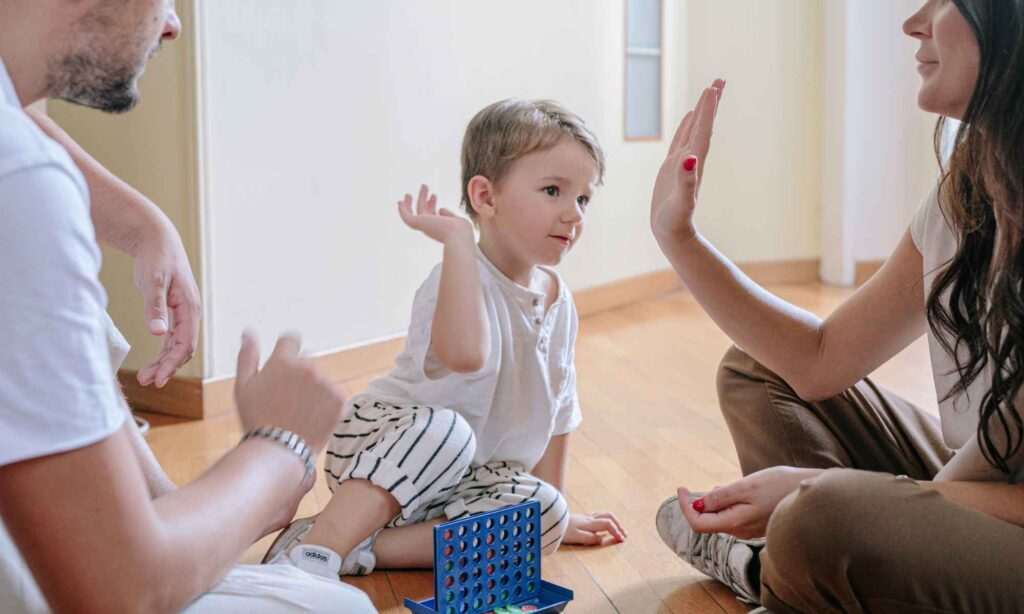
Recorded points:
(361, 560)
(290, 537)
(723, 557)
(316, 560)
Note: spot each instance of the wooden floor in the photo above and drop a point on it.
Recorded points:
(651, 423)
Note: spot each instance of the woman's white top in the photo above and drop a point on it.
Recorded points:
(959, 413)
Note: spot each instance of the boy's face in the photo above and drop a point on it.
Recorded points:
(540, 205)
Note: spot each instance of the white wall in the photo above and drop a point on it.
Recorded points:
(319, 115)
(314, 116)
(879, 162)
(760, 199)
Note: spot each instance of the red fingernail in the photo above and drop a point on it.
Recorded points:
(698, 504)
(690, 163)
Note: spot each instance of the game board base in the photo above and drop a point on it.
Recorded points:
(552, 598)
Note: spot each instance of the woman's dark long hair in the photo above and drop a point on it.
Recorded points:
(978, 299)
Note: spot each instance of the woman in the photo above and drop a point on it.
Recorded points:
(854, 499)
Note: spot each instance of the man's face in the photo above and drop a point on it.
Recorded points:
(107, 49)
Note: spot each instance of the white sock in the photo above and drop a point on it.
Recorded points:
(316, 560)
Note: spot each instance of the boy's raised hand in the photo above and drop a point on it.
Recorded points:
(440, 225)
(678, 182)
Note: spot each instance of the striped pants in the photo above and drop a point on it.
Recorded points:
(423, 457)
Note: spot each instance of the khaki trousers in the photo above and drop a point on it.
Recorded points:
(857, 538)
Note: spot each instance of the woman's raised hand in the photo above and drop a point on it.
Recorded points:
(678, 182)
(438, 224)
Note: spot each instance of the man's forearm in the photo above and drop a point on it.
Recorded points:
(215, 512)
(159, 555)
(157, 481)
(121, 215)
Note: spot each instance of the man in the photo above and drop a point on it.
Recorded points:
(72, 494)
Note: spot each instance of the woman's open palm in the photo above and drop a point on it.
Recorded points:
(678, 182)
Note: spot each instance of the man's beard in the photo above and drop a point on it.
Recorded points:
(84, 78)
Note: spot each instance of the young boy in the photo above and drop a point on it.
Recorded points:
(477, 412)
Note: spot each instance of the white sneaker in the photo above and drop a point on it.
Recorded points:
(316, 560)
(290, 537)
(361, 560)
(723, 557)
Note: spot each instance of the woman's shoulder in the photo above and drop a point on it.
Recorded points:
(929, 228)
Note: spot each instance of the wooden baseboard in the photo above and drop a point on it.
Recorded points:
(618, 293)
(865, 270)
(194, 398)
(182, 396)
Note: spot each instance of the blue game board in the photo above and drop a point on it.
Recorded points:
(491, 563)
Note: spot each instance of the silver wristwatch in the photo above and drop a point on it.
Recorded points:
(289, 440)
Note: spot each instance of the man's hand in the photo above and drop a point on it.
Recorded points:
(594, 529)
(172, 303)
(743, 507)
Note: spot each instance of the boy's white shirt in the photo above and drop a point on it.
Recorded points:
(526, 391)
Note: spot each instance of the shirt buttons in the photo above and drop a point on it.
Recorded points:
(539, 321)
(536, 302)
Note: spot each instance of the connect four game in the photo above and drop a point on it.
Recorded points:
(491, 563)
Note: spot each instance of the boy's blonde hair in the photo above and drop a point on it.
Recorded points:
(507, 130)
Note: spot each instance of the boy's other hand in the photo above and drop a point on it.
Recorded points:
(594, 529)
(440, 225)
